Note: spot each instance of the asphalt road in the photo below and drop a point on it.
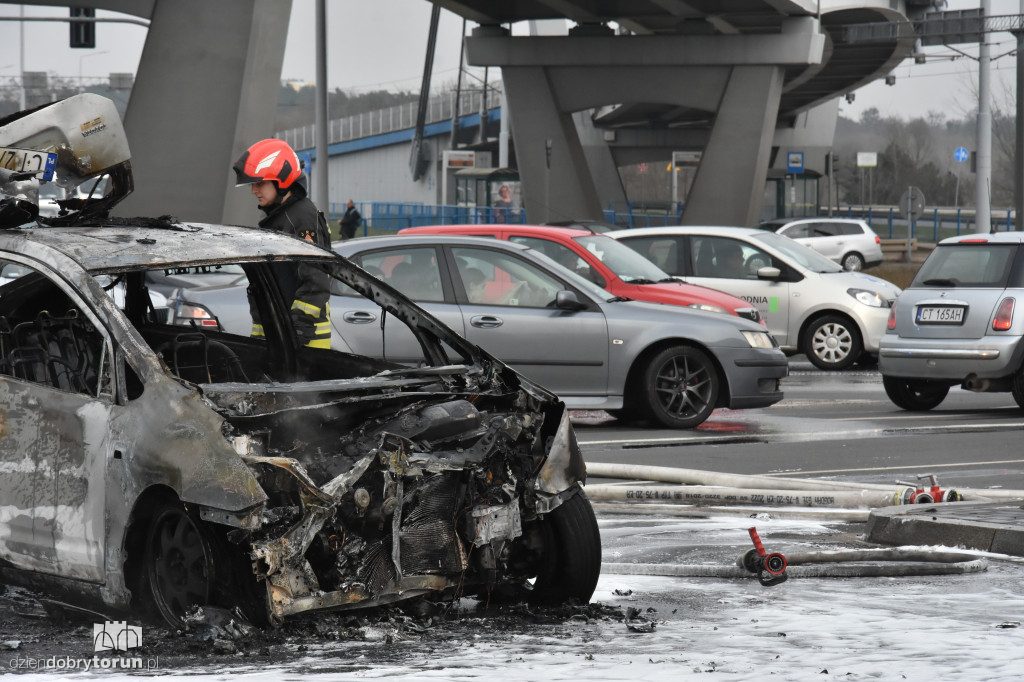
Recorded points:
(836, 425)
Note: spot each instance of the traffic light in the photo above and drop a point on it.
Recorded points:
(83, 33)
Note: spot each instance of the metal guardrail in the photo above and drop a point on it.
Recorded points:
(965, 26)
(382, 217)
(391, 119)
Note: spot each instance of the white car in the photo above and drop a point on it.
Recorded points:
(810, 304)
(851, 243)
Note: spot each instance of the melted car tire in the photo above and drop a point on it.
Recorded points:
(179, 563)
(853, 262)
(822, 332)
(679, 387)
(572, 549)
(914, 395)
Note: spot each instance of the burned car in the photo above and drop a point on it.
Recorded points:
(150, 467)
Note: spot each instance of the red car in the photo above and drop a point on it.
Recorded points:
(608, 263)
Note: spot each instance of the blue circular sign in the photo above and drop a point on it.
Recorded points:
(960, 154)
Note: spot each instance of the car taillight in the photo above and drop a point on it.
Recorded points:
(1004, 316)
(193, 314)
(891, 322)
(878, 240)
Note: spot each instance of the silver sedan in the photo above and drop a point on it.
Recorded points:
(667, 364)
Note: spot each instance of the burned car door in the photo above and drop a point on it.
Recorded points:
(414, 271)
(55, 404)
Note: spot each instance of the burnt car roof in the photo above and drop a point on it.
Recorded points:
(112, 248)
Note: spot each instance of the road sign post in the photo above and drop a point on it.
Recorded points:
(912, 205)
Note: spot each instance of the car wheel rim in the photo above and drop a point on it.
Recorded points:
(852, 263)
(832, 343)
(180, 568)
(683, 386)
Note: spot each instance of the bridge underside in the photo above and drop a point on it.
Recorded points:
(742, 86)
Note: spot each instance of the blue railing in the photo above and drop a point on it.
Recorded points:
(389, 216)
(386, 216)
(934, 225)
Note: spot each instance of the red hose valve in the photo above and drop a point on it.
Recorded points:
(770, 568)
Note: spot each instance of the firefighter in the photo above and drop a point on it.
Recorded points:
(271, 169)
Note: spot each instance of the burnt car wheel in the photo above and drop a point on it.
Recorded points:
(680, 387)
(179, 563)
(832, 342)
(916, 395)
(572, 551)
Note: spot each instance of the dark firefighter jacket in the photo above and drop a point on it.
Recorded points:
(304, 284)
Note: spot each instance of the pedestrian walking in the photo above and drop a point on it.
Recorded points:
(351, 221)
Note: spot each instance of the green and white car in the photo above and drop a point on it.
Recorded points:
(809, 303)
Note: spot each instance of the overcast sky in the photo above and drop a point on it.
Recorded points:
(381, 44)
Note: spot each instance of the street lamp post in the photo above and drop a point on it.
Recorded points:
(86, 56)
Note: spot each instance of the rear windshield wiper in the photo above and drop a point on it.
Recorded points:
(940, 282)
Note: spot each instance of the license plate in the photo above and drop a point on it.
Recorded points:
(940, 315)
(28, 161)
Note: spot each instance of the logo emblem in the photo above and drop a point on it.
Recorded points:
(267, 160)
(115, 636)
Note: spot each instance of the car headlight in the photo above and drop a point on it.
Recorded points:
(869, 298)
(759, 339)
(708, 307)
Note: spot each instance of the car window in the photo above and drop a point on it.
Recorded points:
(498, 278)
(414, 271)
(850, 229)
(46, 338)
(726, 258)
(562, 255)
(968, 265)
(662, 251)
(800, 254)
(796, 231)
(825, 229)
(627, 264)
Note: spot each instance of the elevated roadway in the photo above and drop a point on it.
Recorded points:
(742, 82)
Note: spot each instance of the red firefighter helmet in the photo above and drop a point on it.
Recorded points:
(268, 160)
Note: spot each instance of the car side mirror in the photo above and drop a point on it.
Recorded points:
(769, 273)
(567, 300)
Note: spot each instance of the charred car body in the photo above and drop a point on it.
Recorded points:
(148, 466)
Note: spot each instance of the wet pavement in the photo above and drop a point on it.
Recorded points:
(658, 628)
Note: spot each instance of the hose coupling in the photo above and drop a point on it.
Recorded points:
(769, 568)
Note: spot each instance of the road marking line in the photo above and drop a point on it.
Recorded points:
(796, 437)
(897, 468)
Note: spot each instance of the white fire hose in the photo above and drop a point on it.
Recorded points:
(703, 488)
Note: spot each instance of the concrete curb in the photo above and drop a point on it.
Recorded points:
(990, 526)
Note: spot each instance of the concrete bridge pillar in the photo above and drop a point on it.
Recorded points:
(727, 85)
